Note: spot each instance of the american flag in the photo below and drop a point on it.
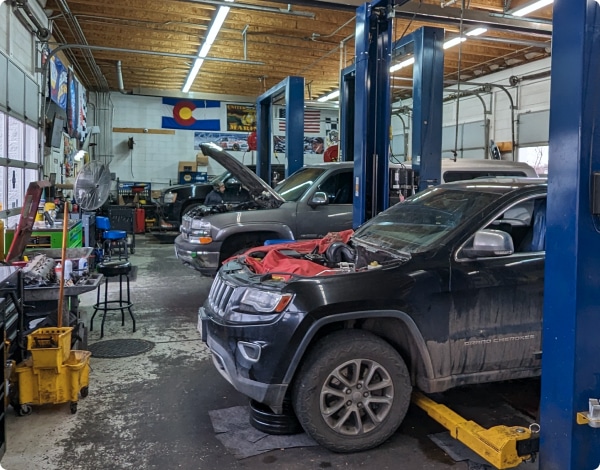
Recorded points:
(312, 121)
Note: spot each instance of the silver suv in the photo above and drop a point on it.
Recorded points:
(315, 200)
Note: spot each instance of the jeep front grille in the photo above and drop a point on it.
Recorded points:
(219, 295)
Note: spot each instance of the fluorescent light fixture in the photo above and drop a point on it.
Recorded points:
(330, 96)
(205, 48)
(454, 42)
(477, 32)
(401, 65)
(532, 7)
(79, 155)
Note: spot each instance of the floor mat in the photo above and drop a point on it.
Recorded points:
(113, 348)
(459, 452)
(132, 276)
(232, 427)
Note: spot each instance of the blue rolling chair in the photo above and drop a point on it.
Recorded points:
(114, 242)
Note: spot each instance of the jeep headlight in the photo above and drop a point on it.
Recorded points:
(170, 198)
(264, 301)
(200, 231)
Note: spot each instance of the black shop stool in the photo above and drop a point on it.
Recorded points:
(120, 268)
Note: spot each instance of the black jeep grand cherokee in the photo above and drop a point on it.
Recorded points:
(444, 289)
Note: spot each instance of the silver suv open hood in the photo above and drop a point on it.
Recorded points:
(259, 190)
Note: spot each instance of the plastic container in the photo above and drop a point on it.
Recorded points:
(83, 266)
(68, 269)
(49, 347)
(58, 271)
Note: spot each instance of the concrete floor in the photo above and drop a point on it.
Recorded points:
(151, 411)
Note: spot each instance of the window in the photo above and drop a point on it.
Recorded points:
(537, 157)
(525, 222)
(18, 146)
(338, 188)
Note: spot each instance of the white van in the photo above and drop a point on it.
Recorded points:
(403, 182)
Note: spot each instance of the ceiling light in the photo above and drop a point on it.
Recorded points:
(477, 32)
(532, 7)
(454, 42)
(533, 55)
(401, 65)
(513, 61)
(207, 43)
(330, 96)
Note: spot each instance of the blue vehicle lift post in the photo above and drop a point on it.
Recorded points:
(292, 90)
(571, 345)
(372, 110)
(428, 89)
(347, 96)
(373, 106)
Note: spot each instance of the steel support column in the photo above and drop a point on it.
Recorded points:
(292, 89)
(571, 346)
(347, 95)
(428, 96)
(372, 110)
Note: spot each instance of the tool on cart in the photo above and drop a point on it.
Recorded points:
(39, 271)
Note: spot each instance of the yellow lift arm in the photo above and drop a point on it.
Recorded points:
(501, 446)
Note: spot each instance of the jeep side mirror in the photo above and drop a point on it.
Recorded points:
(319, 199)
(487, 243)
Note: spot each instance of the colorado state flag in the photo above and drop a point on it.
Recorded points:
(198, 115)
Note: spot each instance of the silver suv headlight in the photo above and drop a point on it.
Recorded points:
(199, 231)
(169, 198)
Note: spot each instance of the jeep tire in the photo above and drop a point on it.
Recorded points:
(352, 391)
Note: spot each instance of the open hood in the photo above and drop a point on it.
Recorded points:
(259, 190)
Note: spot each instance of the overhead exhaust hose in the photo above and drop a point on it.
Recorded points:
(120, 79)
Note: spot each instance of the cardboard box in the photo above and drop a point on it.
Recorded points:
(187, 166)
(155, 194)
(201, 159)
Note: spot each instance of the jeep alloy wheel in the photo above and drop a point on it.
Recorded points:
(352, 392)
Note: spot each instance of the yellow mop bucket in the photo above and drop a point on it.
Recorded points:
(40, 386)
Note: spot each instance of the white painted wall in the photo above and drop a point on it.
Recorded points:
(155, 157)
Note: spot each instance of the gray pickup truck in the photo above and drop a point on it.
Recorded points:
(315, 200)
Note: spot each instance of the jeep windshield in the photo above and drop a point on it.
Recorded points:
(294, 187)
(423, 220)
